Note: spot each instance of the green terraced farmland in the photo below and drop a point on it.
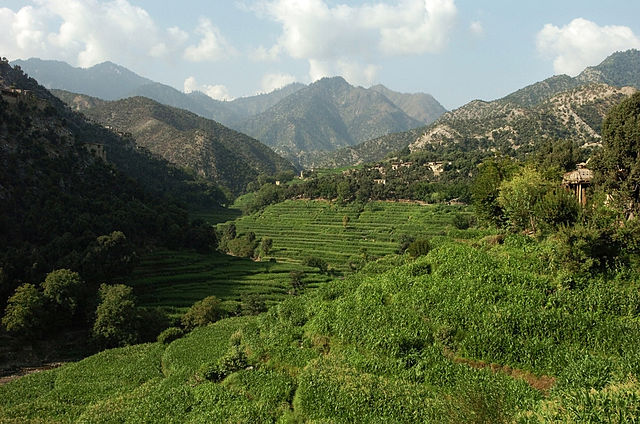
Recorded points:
(301, 228)
(175, 280)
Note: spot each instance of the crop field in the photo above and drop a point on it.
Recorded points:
(463, 334)
(174, 280)
(341, 234)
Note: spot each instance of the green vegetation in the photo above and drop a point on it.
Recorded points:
(316, 229)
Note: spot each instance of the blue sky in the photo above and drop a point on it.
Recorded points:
(456, 50)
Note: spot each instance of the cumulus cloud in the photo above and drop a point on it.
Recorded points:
(212, 45)
(272, 82)
(582, 43)
(343, 37)
(86, 32)
(218, 92)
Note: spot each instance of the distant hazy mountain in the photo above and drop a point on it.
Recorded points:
(327, 115)
(559, 107)
(420, 106)
(206, 147)
(106, 80)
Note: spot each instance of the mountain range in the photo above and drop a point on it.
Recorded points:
(295, 120)
(205, 147)
(560, 107)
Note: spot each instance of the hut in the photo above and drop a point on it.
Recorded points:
(578, 181)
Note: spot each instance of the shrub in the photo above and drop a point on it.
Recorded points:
(315, 262)
(419, 247)
(202, 312)
(253, 305)
(170, 334)
(234, 360)
(462, 221)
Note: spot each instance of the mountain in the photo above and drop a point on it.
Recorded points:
(106, 80)
(65, 181)
(327, 115)
(420, 106)
(109, 81)
(206, 147)
(560, 107)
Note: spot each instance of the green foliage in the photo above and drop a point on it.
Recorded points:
(110, 256)
(170, 334)
(115, 323)
(253, 305)
(202, 312)
(297, 281)
(518, 197)
(25, 314)
(63, 287)
(486, 189)
(419, 247)
(617, 166)
(462, 221)
(315, 262)
(234, 360)
(265, 246)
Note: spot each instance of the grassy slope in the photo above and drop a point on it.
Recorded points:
(382, 345)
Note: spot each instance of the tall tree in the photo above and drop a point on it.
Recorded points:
(617, 167)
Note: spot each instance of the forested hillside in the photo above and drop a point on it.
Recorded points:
(205, 147)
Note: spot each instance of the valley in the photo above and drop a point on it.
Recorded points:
(442, 270)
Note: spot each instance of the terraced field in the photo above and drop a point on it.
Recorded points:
(175, 280)
(341, 234)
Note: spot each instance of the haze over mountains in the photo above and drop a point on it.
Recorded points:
(294, 120)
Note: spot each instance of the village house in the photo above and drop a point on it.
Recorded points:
(578, 181)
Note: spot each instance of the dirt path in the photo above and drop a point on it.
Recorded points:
(543, 383)
(29, 370)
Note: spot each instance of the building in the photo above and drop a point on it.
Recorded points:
(578, 181)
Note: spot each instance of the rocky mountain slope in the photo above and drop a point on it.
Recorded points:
(560, 107)
(205, 147)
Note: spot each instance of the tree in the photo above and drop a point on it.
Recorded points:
(617, 166)
(486, 186)
(110, 256)
(25, 313)
(315, 262)
(115, 323)
(297, 281)
(519, 196)
(63, 287)
(202, 312)
(266, 244)
(419, 247)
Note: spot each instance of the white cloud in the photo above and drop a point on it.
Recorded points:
(343, 37)
(218, 92)
(212, 45)
(476, 28)
(582, 43)
(262, 54)
(87, 32)
(272, 82)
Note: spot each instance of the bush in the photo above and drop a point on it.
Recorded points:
(315, 262)
(234, 360)
(170, 334)
(202, 312)
(419, 247)
(150, 323)
(462, 221)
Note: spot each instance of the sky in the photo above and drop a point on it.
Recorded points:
(455, 50)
